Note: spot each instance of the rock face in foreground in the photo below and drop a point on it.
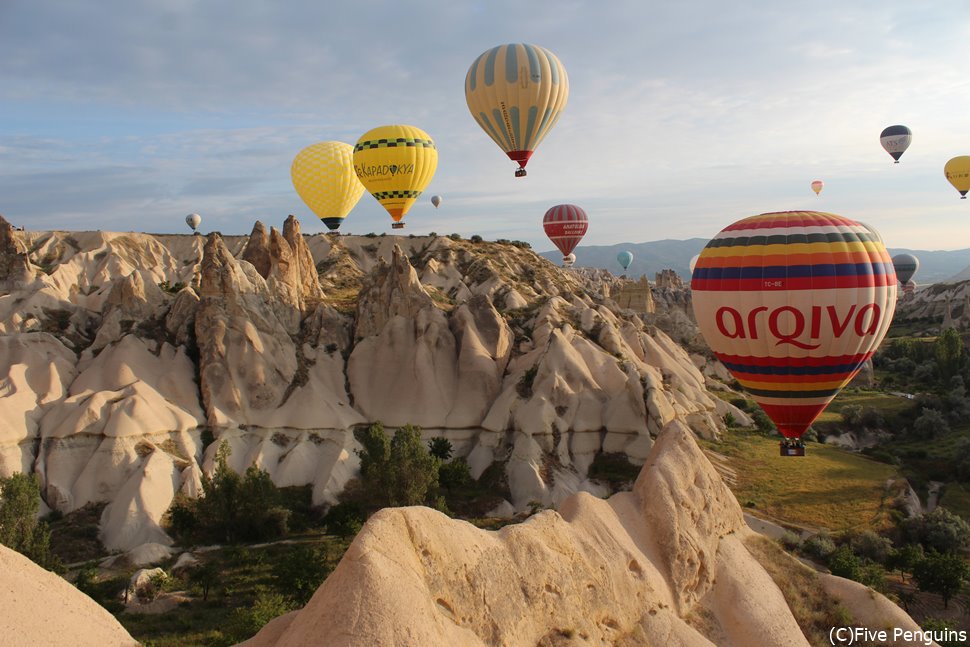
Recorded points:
(40, 608)
(665, 564)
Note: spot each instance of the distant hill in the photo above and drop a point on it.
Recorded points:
(649, 258)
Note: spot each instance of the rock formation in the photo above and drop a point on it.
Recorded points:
(666, 564)
(41, 608)
(128, 352)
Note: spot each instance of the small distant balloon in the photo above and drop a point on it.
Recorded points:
(568, 260)
(693, 262)
(436, 201)
(896, 139)
(908, 289)
(193, 220)
(565, 225)
(624, 259)
(906, 266)
(817, 186)
(957, 171)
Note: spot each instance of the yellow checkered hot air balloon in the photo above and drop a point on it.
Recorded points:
(395, 163)
(515, 92)
(323, 175)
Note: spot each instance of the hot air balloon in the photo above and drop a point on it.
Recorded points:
(624, 259)
(193, 220)
(516, 92)
(323, 176)
(565, 225)
(817, 186)
(693, 262)
(793, 304)
(896, 139)
(568, 260)
(395, 164)
(957, 171)
(905, 266)
(436, 201)
(908, 289)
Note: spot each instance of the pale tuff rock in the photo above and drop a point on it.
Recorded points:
(506, 355)
(870, 608)
(670, 280)
(393, 290)
(636, 296)
(247, 360)
(603, 572)
(16, 271)
(35, 373)
(41, 608)
(130, 301)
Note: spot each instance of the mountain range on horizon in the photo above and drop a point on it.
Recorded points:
(936, 266)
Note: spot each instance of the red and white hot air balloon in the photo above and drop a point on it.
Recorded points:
(565, 225)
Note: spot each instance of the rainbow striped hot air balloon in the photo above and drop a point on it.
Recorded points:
(793, 304)
(565, 225)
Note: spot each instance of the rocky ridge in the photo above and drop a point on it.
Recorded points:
(670, 563)
(124, 354)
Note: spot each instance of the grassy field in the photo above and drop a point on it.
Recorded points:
(887, 405)
(827, 488)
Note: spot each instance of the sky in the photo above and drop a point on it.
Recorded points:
(126, 115)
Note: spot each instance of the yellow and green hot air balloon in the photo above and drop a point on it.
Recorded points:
(516, 92)
(323, 176)
(957, 171)
(395, 164)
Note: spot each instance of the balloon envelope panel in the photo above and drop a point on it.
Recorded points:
(793, 304)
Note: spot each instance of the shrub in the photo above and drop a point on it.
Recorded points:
(939, 530)
(19, 528)
(844, 563)
(818, 547)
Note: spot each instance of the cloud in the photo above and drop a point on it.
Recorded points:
(681, 116)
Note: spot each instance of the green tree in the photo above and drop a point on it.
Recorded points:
(930, 424)
(948, 350)
(904, 558)
(301, 572)
(939, 530)
(246, 622)
(234, 507)
(397, 471)
(762, 421)
(441, 448)
(218, 509)
(19, 528)
(844, 563)
(941, 573)
(204, 576)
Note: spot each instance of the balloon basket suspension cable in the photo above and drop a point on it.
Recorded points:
(520, 172)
